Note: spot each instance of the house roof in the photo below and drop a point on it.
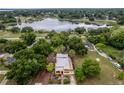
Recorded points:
(62, 62)
(9, 60)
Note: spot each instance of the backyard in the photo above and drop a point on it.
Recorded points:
(108, 73)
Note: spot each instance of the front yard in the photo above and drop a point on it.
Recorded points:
(108, 73)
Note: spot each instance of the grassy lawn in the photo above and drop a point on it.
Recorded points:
(2, 67)
(1, 77)
(113, 52)
(118, 29)
(7, 34)
(108, 73)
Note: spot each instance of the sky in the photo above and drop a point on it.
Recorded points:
(61, 3)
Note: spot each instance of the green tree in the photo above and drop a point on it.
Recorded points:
(26, 66)
(15, 30)
(2, 27)
(91, 68)
(91, 18)
(42, 48)
(24, 54)
(3, 40)
(51, 33)
(27, 29)
(59, 49)
(98, 31)
(29, 38)
(80, 30)
(120, 20)
(2, 60)
(72, 52)
(2, 48)
(97, 39)
(79, 75)
(14, 46)
(22, 70)
(56, 40)
(121, 76)
(50, 67)
(117, 40)
(77, 44)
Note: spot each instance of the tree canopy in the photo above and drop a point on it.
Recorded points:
(15, 30)
(91, 68)
(14, 46)
(117, 40)
(22, 70)
(79, 75)
(76, 44)
(27, 29)
(28, 38)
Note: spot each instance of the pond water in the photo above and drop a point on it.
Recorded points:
(57, 25)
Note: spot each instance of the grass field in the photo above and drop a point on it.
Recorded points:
(2, 67)
(108, 73)
(113, 52)
(7, 34)
(118, 29)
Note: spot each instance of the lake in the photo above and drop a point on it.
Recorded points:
(49, 24)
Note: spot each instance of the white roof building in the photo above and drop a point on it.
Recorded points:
(63, 64)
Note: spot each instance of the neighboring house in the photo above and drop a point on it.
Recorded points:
(8, 57)
(89, 45)
(63, 65)
(9, 61)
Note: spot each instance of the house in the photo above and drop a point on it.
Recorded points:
(63, 65)
(8, 59)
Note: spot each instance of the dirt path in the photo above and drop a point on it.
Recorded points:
(42, 77)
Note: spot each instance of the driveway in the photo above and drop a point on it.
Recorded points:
(72, 80)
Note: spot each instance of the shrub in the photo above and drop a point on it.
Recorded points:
(121, 76)
(27, 29)
(79, 74)
(50, 67)
(67, 81)
(91, 68)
